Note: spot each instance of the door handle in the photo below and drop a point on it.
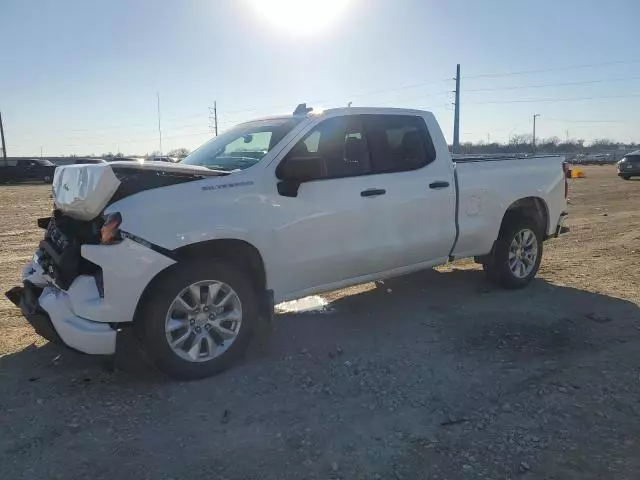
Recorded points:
(373, 192)
(439, 184)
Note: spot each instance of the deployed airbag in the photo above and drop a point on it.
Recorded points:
(82, 191)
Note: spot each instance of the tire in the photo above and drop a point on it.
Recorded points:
(626, 177)
(498, 268)
(152, 322)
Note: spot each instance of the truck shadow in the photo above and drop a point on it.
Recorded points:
(418, 355)
(456, 311)
(463, 312)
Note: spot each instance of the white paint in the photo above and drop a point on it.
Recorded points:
(329, 236)
(84, 335)
(127, 268)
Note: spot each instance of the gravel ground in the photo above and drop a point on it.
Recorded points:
(432, 375)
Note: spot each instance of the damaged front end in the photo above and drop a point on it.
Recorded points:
(81, 193)
(63, 291)
(26, 299)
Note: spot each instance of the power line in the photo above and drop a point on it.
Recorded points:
(584, 121)
(544, 85)
(231, 112)
(357, 95)
(396, 89)
(138, 140)
(553, 69)
(542, 100)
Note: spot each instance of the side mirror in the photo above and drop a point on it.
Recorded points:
(296, 170)
(301, 169)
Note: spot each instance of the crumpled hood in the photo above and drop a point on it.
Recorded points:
(83, 191)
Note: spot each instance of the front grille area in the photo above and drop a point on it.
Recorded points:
(59, 253)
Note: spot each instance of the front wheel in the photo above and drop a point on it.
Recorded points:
(199, 319)
(516, 255)
(626, 177)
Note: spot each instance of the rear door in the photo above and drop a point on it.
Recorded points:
(415, 222)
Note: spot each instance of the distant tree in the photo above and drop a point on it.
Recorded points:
(604, 142)
(156, 153)
(179, 152)
(522, 144)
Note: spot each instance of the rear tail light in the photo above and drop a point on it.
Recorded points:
(110, 231)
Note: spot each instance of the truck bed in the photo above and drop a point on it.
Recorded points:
(481, 206)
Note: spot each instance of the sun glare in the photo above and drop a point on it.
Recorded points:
(300, 16)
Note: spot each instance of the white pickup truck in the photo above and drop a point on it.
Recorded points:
(191, 255)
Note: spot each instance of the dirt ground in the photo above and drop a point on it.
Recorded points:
(434, 375)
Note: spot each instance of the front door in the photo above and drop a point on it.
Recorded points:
(328, 232)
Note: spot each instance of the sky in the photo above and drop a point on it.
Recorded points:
(82, 77)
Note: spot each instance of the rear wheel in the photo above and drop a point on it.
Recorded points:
(199, 319)
(516, 255)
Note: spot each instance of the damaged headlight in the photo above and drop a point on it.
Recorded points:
(110, 231)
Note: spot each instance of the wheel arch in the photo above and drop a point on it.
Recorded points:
(534, 207)
(239, 253)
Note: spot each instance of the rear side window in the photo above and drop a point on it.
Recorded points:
(398, 142)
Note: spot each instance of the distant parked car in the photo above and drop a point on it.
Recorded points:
(161, 159)
(88, 161)
(629, 166)
(24, 170)
(125, 159)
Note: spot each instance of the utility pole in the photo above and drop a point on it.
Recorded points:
(4, 147)
(456, 118)
(159, 127)
(213, 118)
(533, 142)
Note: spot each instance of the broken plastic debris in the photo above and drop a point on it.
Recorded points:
(313, 303)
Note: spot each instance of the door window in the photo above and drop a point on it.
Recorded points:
(398, 142)
(340, 146)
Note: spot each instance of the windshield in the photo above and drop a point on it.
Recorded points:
(242, 146)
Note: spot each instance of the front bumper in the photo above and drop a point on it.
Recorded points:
(26, 298)
(631, 172)
(84, 317)
(49, 313)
